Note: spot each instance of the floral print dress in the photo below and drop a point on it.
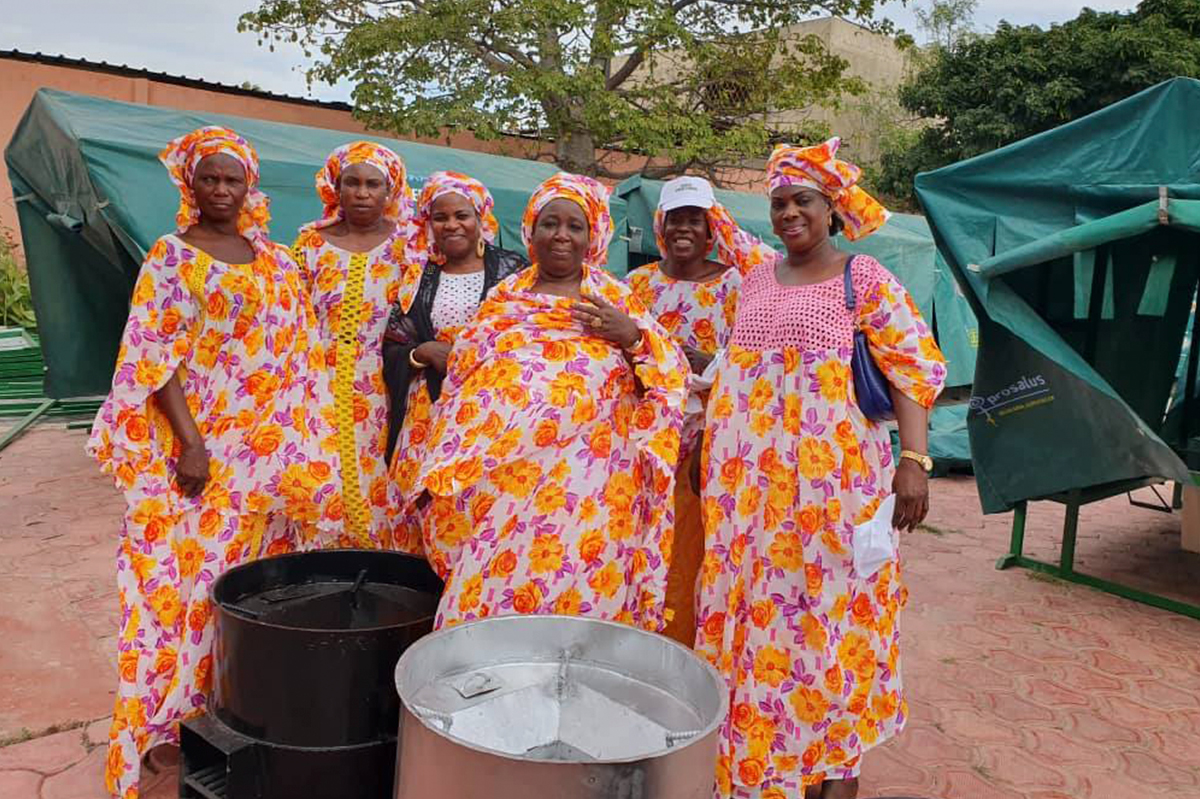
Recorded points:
(810, 648)
(697, 315)
(546, 468)
(352, 294)
(238, 336)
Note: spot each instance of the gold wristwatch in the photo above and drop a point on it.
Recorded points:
(925, 461)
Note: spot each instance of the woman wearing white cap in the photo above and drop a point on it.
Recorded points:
(694, 299)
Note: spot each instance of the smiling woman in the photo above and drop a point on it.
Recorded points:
(806, 634)
(693, 298)
(456, 231)
(541, 491)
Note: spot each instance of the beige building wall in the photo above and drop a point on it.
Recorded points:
(873, 57)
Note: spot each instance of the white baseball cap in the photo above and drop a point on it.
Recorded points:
(686, 191)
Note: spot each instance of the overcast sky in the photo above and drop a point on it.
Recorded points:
(199, 38)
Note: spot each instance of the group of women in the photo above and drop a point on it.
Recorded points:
(396, 380)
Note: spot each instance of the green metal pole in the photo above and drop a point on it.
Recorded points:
(1016, 544)
(21, 426)
(1066, 563)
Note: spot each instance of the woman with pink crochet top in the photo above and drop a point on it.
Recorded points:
(800, 617)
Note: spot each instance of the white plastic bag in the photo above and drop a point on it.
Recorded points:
(873, 545)
(698, 384)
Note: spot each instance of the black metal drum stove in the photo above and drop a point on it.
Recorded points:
(304, 704)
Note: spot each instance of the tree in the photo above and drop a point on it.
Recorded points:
(986, 92)
(947, 22)
(686, 84)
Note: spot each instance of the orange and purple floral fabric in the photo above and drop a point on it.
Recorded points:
(439, 184)
(352, 295)
(810, 648)
(695, 314)
(546, 468)
(183, 155)
(819, 168)
(550, 449)
(238, 337)
(399, 208)
(591, 195)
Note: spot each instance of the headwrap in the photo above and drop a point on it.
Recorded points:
(591, 195)
(720, 222)
(817, 168)
(399, 208)
(439, 184)
(181, 156)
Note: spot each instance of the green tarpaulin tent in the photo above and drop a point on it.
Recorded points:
(1080, 251)
(1079, 248)
(92, 198)
(904, 245)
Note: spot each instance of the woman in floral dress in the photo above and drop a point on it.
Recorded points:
(809, 645)
(456, 231)
(546, 465)
(208, 432)
(693, 299)
(356, 260)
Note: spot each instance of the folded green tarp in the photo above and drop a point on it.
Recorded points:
(1079, 249)
(92, 197)
(904, 245)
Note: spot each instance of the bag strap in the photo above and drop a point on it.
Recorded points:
(849, 284)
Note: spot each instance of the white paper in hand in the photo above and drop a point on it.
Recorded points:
(873, 540)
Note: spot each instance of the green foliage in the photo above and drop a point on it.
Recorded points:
(16, 306)
(985, 92)
(947, 22)
(681, 81)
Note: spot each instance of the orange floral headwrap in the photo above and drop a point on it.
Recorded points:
(399, 208)
(181, 157)
(439, 184)
(817, 168)
(591, 195)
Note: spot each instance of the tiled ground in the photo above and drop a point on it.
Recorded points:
(1021, 687)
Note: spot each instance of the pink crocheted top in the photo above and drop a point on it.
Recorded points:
(771, 316)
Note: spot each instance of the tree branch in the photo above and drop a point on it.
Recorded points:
(639, 55)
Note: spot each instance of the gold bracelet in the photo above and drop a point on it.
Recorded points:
(412, 359)
(925, 461)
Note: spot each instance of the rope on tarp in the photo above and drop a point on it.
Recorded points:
(1164, 216)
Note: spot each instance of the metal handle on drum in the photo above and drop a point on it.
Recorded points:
(433, 717)
(676, 737)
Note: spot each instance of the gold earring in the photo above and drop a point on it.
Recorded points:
(479, 244)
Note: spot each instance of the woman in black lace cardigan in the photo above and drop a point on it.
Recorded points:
(454, 213)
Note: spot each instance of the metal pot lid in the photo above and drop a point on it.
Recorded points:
(561, 689)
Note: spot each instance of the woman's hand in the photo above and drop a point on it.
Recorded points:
(434, 354)
(697, 360)
(191, 470)
(911, 487)
(606, 321)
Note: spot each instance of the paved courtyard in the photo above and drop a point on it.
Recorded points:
(1021, 686)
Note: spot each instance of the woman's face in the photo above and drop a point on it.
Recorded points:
(363, 191)
(800, 217)
(219, 185)
(686, 233)
(455, 225)
(560, 239)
